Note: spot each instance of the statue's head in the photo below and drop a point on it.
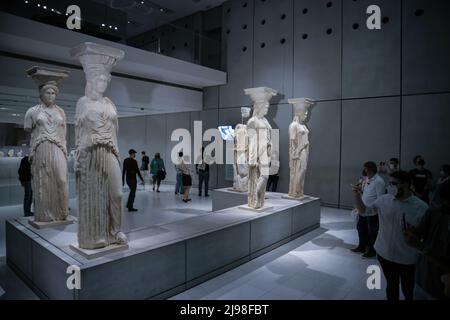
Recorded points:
(48, 81)
(97, 61)
(48, 93)
(260, 97)
(261, 108)
(97, 80)
(245, 112)
(302, 107)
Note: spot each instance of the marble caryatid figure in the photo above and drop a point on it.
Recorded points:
(97, 163)
(259, 145)
(298, 146)
(48, 153)
(240, 166)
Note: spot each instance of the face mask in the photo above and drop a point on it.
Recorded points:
(391, 166)
(392, 190)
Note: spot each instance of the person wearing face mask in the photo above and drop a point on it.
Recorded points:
(432, 240)
(397, 211)
(421, 179)
(444, 176)
(372, 188)
(384, 170)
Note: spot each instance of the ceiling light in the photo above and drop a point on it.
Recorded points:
(115, 28)
(15, 114)
(4, 108)
(38, 5)
(45, 7)
(26, 2)
(103, 24)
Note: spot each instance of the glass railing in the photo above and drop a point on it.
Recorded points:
(146, 25)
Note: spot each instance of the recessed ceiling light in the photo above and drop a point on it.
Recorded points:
(45, 7)
(38, 5)
(103, 24)
(4, 108)
(115, 28)
(26, 2)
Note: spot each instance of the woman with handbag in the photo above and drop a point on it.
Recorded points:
(157, 170)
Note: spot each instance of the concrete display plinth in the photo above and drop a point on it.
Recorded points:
(161, 260)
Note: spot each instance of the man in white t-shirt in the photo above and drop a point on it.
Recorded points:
(397, 211)
(368, 224)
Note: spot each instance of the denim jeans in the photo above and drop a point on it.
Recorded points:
(179, 184)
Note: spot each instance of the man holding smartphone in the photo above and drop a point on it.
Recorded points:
(367, 226)
(397, 210)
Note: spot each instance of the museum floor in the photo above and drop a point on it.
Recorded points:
(317, 265)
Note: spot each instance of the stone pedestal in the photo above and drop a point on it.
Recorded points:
(97, 253)
(42, 225)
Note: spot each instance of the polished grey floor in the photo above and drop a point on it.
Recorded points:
(317, 265)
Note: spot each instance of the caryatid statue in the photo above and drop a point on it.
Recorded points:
(298, 146)
(97, 163)
(260, 145)
(48, 153)
(240, 166)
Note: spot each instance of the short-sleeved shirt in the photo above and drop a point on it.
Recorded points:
(390, 243)
(373, 189)
(419, 179)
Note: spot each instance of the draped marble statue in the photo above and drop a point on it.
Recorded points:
(298, 147)
(240, 165)
(97, 163)
(48, 154)
(259, 146)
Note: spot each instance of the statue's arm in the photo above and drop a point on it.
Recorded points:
(28, 122)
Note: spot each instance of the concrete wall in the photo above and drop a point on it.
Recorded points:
(380, 94)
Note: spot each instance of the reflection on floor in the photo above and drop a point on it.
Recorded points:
(317, 265)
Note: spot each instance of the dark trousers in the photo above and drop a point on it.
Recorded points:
(367, 231)
(396, 274)
(272, 182)
(132, 184)
(27, 199)
(203, 176)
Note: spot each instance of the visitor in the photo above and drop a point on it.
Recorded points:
(179, 172)
(202, 169)
(158, 171)
(384, 170)
(444, 176)
(144, 164)
(186, 179)
(421, 179)
(372, 188)
(130, 170)
(397, 210)
(432, 240)
(272, 182)
(25, 181)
